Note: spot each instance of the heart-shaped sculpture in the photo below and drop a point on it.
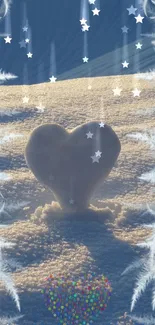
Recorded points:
(72, 163)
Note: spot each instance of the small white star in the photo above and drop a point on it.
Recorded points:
(53, 79)
(25, 28)
(96, 12)
(85, 59)
(138, 46)
(101, 125)
(125, 64)
(139, 19)
(89, 135)
(89, 87)
(25, 99)
(136, 92)
(124, 29)
(71, 201)
(85, 28)
(117, 91)
(83, 21)
(98, 154)
(92, 2)
(27, 40)
(132, 10)
(29, 55)
(7, 39)
(22, 43)
(95, 159)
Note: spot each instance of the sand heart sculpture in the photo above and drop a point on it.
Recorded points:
(72, 163)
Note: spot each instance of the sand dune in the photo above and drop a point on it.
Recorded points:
(55, 243)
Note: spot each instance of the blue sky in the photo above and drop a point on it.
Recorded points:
(58, 43)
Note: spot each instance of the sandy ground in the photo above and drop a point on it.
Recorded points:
(105, 241)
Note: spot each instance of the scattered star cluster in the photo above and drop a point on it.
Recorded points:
(25, 41)
(132, 11)
(139, 19)
(85, 26)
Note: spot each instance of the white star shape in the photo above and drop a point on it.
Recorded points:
(22, 44)
(85, 59)
(95, 159)
(53, 79)
(29, 55)
(98, 154)
(92, 2)
(124, 29)
(89, 87)
(85, 28)
(25, 99)
(25, 28)
(101, 125)
(132, 10)
(89, 135)
(27, 40)
(71, 201)
(83, 21)
(125, 64)
(117, 91)
(139, 46)
(96, 12)
(139, 19)
(136, 92)
(7, 39)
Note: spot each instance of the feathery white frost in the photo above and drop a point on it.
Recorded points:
(5, 276)
(144, 278)
(7, 112)
(4, 76)
(149, 75)
(10, 137)
(10, 320)
(147, 138)
(143, 320)
(133, 265)
(147, 265)
(149, 177)
(10, 207)
(5, 7)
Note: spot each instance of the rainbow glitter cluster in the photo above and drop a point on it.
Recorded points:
(76, 302)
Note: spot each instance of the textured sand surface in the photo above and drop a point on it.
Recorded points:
(108, 244)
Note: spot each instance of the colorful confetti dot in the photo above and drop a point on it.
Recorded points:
(76, 302)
